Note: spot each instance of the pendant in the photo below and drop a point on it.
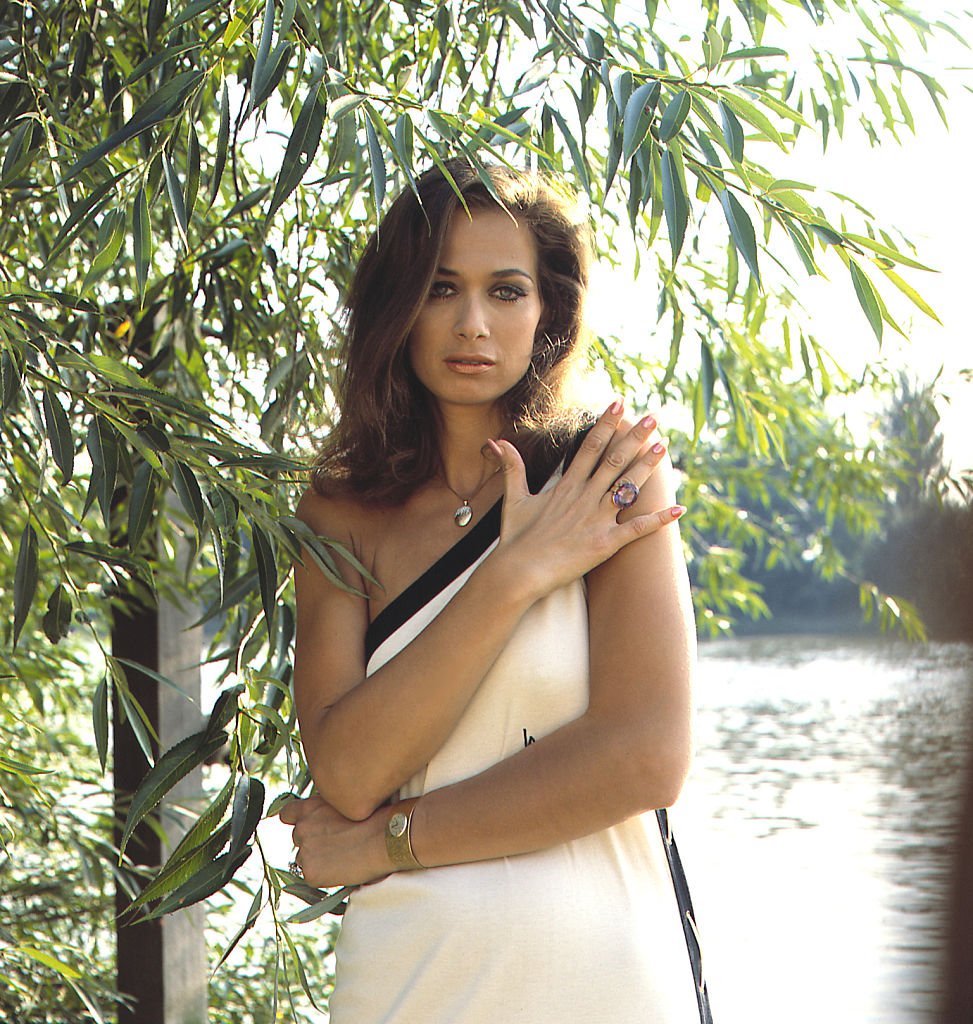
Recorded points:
(463, 514)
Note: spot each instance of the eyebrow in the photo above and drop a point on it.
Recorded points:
(506, 272)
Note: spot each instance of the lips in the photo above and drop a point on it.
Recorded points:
(468, 364)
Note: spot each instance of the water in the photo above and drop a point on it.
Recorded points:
(817, 825)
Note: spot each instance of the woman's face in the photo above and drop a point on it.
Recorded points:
(474, 336)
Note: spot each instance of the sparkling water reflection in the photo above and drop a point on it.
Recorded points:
(817, 824)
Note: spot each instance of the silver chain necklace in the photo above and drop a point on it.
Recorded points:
(464, 513)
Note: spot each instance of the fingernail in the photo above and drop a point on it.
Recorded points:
(616, 407)
(658, 448)
(492, 450)
(647, 422)
(677, 510)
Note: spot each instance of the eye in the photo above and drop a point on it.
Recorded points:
(509, 293)
(441, 290)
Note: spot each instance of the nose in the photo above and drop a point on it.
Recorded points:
(471, 319)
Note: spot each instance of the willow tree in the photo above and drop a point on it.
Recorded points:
(184, 191)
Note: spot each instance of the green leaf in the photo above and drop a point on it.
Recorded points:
(204, 826)
(112, 556)
(885, 250)
(377, 162)
(302, 147)
(675, 202)
(277, 64)
(638, 117)
(248, 922)
(741, 230)
(707, 376)
(175, 764)
(100, 719)
(757, 118)
(263, 552)
(158, 107)
(224, 711)
(192, 177)
(262, 55)
(323, 906)
(803, 247)
(222, 144)
(25, 578)
(190, 496)
(752, 52)
(59, 434)
(248, 806)
(405, 147)
(57, 621)
(141, 240)
(176, 200)
(111, 236)
(141, 503)
(209, 880)
(48, 960)
(81, 214)
(102, 445)
(11, 378)
(732, 132)
(342, 106)
(867, 298)
(910, 293)
(179, 869)
(713, 47)
(675, 114)
(577, 157)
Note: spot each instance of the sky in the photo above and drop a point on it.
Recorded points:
(917, 187)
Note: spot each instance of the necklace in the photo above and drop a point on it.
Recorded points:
(464, 513)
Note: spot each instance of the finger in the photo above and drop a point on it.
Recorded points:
(292, 812)
(506, 457)
(644, 526)
(639, 473)
(594, 445)
(624, 454)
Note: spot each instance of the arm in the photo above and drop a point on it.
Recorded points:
(628, 753)
(365, 737)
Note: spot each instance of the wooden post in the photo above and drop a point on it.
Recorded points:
(162, 969)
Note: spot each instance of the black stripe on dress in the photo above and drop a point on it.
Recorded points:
(438, 576)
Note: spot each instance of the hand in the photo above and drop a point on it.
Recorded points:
(332, 850)
(566, 531)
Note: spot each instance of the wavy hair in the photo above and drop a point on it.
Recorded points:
(385, 442)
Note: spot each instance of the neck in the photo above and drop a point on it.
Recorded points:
(461, 437)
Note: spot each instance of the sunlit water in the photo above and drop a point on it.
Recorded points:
(817, 825)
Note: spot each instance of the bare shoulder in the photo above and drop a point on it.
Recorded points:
(342, 516)
(332, 514)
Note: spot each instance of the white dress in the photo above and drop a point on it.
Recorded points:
(598, 930)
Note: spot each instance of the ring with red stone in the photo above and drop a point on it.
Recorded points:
(624, 493)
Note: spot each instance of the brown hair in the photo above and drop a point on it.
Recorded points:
(385, 443)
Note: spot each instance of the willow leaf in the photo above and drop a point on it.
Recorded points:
(25, 578)
(675, 202)
(867, 298)
(59, 434)
(175, 764)
(675, 114)
(741, 230)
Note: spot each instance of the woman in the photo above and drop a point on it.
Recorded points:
(488, 725)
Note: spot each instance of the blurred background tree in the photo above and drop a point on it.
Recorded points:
(184, 191)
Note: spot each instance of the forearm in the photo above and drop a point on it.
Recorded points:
(383, 730)
(585, 777)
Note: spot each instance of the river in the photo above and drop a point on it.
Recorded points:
(817, 824)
